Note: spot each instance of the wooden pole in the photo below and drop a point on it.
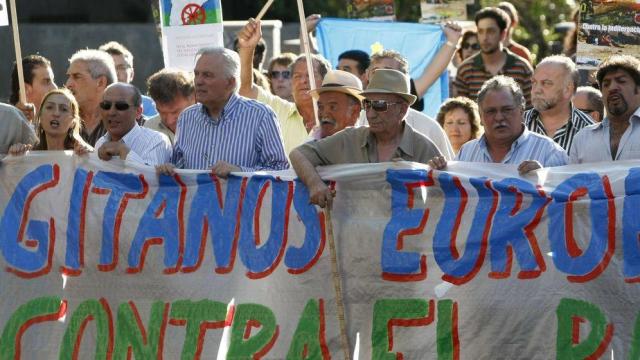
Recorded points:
(16, 43)
(264, 10)
(307, 53)
(337, 284)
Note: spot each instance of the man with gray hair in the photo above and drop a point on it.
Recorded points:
(589, 100)
(506, 140)
(89, 74)
(554, 83)
(296, 118)
(225, 132)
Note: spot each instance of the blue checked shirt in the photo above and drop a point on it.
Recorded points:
(246, 135)
(528, 146)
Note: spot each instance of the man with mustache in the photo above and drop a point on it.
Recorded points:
(506, 140)
(338, 103)
(617, 137)
(554, 84)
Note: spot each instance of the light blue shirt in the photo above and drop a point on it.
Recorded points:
(148, 107)
(592, 143)
(528, 146)
(246, 135)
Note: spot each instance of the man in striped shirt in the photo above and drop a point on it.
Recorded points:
(554, 84)
(493, 59)
(225, 132)
(506, 140)
(120, 107)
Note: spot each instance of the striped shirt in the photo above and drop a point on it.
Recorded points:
(472, 74)
(528, 146)
(593, 143)
(246, 135)
(564, 135)
(146, 146)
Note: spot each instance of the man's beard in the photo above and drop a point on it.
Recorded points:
(619, 109)
(543, 104)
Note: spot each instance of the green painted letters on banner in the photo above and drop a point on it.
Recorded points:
(130, 335)
(88, 310)
(194, 314)
(567, 345)
(259, 344)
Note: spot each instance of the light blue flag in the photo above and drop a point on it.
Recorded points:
(418, 43)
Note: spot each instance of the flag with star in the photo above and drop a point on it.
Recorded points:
(418, 43)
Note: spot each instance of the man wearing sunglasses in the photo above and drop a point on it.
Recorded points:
(121, 105)
(388, 137)
(589, 100)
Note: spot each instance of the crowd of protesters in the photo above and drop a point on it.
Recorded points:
(230, 116)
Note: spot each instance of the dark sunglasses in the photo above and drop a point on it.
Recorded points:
(475, 46)
(120, 105)
(286, 74)
(587, 110)
(378, 105)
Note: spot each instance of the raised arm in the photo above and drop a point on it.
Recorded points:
(442, 59)
(311, 21)
(248, 39)
(319, 192)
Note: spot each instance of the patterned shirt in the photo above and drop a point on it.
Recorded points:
(592, 144)
(146, 146)
(564, 135)
(472, 74)
(528, 146)
(246, 135)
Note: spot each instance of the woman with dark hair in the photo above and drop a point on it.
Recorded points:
(460, 120)
(469, 46)
(58, 125)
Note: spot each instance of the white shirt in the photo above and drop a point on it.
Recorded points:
(146, 146)
(424, 125)
(592, 143)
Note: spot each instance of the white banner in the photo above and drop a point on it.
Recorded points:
(101, 259)
(187, 26)
(4, 13)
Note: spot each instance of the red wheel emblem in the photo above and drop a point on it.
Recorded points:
(636, 18)
(193, 14)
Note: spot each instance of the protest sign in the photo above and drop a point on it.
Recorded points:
(371, 9)
(372, 37)
(607, 28)
(4, 13)
(437, 11)
(187, 26)
(473, 263)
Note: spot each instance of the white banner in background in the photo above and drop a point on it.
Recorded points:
(187, 26)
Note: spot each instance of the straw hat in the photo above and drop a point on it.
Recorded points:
(388, 81)
(340, 81)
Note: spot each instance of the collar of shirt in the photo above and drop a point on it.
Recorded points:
(604, 124)
(406, 142)
(482, 142)
(479, 63)
(227, 111)
(535, 116)
(129, 138)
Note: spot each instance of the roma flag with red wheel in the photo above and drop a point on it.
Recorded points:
(187, 26)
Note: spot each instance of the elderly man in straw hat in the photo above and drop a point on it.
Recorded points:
(339, 103)
(388, 137)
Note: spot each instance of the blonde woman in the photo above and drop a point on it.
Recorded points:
(58, 125)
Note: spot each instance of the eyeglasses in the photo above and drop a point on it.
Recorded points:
(466, 46)
(120, 105)
(587, 110)
(378, 105)
(286, 74)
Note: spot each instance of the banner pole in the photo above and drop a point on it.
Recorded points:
(337, 281)
(307, 53)
(16, 43)
(264, 10)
